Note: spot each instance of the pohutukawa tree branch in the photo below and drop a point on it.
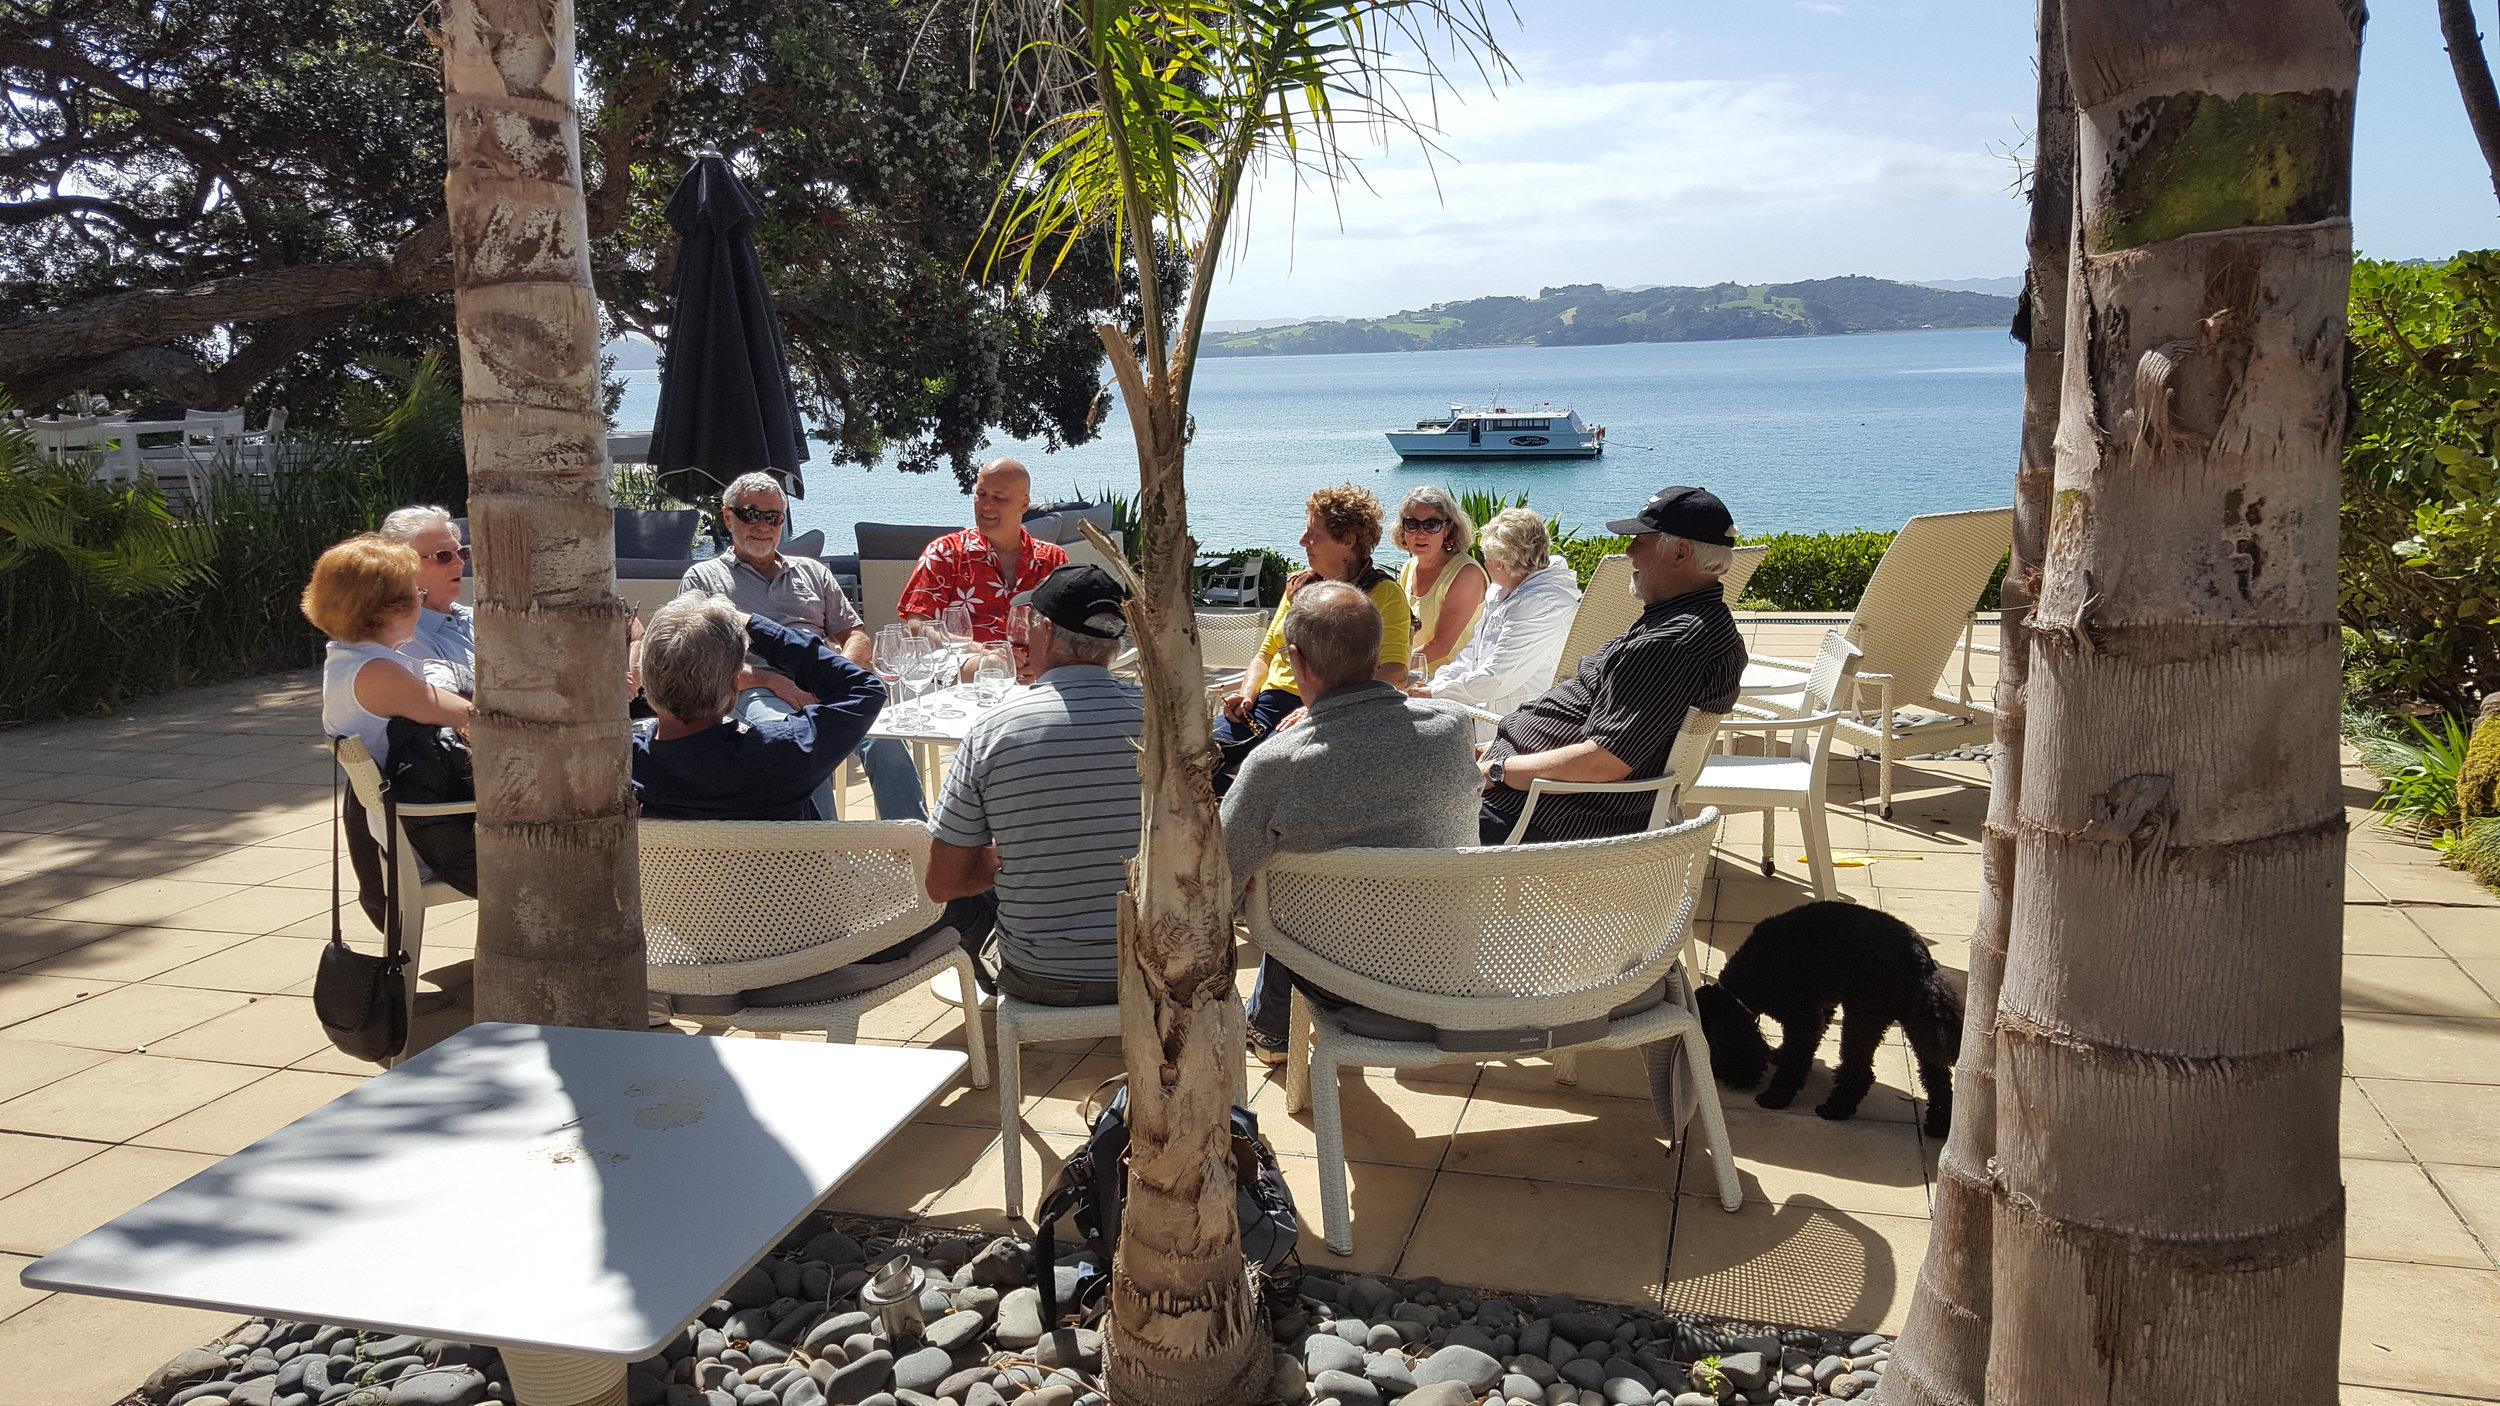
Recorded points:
(2473, 70)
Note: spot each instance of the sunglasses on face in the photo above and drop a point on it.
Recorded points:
(1423, 524)
(447, 556)
(769, 516)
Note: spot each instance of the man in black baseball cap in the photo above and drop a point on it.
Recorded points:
(1617, 717)
(1041, 805)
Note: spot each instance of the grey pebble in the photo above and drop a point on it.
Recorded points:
(1625, 1391)
(1390, 1373)
(1445, 1393)
(983, 1394)
(1380, 1337)
(1020, 1318)
(835, 1249)
(1353, 1330)
(1287, 1382)
(856, 1381)
(1002, 1264)
(1052, 1394)
(1868, 1344)
(443, 1386)
(1459, 1363)
(980, 1299)
(1827, 1369)
(801, 1390)
(922, 1370)
(1079, 1348)
(710, 1342)
(1519, 1387)
(1345, 1388)
(753, 1289)
(1326, 1352)
(1583, 1373)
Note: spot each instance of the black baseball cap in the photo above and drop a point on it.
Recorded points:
(1694, 514)
(1073, 595)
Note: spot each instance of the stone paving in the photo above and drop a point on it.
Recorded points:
(164, 890)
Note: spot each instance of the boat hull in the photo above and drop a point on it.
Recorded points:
(1448, 446)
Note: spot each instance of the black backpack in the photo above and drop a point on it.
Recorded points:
(1092, 1186)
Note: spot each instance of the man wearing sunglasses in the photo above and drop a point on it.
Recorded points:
(445, 632)
(801, 593)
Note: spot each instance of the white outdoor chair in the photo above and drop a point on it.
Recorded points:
(1684, 762)
(1234, 582)
(1607, 609)
(1022, 1023)
(732, 905)
(1505, 941)
(412, 892)
(1227, 641)
(1740, 569)
(116, 450)
(1770, 784)
(1917, 608)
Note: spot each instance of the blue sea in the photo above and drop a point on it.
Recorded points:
(1801, 434)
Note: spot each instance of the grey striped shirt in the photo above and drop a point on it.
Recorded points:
(1629, 697)
(1050, 777)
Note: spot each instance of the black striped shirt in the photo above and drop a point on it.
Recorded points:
(1629, 697)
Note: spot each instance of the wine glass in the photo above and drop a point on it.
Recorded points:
(954, 637)
(1418, 674)
(887, 659)
(918, 659)
(994, 676)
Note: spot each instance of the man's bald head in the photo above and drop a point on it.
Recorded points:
(1336, 630)
(1000, 494)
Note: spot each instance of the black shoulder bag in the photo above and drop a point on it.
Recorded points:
(362, 1001)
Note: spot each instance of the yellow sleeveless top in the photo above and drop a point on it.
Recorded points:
(1428, 607)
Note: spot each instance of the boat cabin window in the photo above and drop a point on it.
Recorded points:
(1518, 424)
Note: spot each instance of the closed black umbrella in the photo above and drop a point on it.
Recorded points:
(726, 407)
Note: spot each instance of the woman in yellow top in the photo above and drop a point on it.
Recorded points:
(1343, 529)
(1445, 584)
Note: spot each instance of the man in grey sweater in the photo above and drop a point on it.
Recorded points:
(1367, 766)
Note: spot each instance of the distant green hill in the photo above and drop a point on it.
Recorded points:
(1586, 314)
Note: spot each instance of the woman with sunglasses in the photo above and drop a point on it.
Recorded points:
(1445, 584)
(445, 631)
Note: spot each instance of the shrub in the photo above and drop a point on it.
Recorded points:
(2420, 544)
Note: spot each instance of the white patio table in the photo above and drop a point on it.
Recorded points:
(571, 1197)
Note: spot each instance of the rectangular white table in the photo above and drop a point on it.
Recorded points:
(572, 1197)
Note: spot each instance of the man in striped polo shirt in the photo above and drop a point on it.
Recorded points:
(1042, 802)
(1616, 719)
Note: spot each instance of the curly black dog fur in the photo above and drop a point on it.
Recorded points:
(1801, 966)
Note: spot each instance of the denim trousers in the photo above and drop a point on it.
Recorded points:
(891, 775)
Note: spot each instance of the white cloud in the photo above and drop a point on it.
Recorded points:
(1623, 182)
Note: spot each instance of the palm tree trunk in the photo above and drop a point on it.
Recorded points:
(2167, 1030)
(2473, 70)
(1942, 1356)
(1185, 1327)
(559, 911)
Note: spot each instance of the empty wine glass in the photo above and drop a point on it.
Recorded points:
(886, 658)
(995, 675)
(917, 659)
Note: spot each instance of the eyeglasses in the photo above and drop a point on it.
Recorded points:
(446, 556)
(769, 516)
(1423, 524)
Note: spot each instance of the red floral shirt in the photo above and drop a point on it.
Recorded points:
(962, 566)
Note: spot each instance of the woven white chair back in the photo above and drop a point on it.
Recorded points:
(1229, 639)
(1494, 926)
(1607, 609)
(1740, 570)
(364, 775)
(1922, 595)
(764, 901)
(1692, 745)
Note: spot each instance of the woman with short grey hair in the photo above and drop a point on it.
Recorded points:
(1527, 616)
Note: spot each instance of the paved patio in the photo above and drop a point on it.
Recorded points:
(164, 890)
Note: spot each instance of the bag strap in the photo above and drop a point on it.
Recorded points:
(338, 823)
(390, 881)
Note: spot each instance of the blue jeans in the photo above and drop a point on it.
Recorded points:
(1234, 741)
(891, 776)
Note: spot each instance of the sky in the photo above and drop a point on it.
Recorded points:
(1695, 141)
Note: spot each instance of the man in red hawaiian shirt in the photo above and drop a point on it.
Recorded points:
(988, 564)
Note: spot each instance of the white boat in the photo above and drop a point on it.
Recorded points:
(1544, 431)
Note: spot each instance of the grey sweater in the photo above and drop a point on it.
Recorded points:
(1369, 767)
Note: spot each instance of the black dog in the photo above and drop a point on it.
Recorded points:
(1802, 965)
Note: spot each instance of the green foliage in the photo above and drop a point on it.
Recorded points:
(2420, 548)
(111, 540)
(2420, 769)
(1587, 314)
(1709, 1380)
(1816, 571)
(76, 642)
(2477, 849)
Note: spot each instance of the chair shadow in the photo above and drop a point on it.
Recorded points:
(1803, 1263)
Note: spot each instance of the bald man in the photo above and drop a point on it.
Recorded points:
(987, 564)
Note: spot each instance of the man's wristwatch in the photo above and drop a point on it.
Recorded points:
(1493, 773)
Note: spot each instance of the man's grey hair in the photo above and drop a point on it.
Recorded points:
(746, 486)
(1337, 628)
(1516, 537)
(1712, 558)
(407, 524)
(690, 657)
(1084, 648)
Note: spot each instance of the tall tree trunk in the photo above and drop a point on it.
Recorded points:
(2167, 1030)
(559, 911)
(1185, 1328)
(1942, 1357)
(2482, 101)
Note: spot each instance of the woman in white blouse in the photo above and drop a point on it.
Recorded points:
(1527, 614)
